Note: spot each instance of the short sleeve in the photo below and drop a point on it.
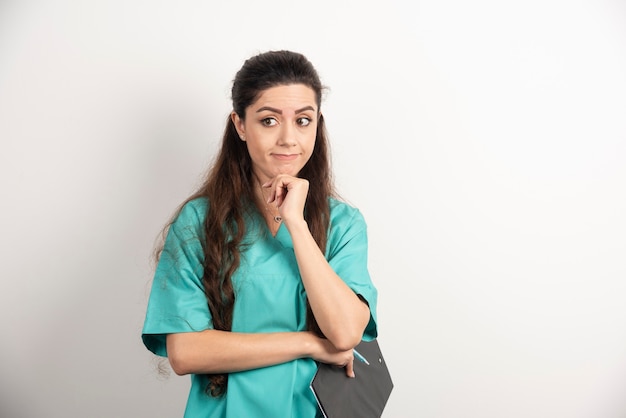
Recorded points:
(347, 255)
(177, 301)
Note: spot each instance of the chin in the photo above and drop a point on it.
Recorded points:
(288, 171)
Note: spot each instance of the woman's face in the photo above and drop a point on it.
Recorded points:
(279, 129)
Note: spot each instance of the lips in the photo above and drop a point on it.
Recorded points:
(285, 157)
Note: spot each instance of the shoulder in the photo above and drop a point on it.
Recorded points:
(343, 214)
(193, 210)
(347, 231)
(190, 217)
(341, 210)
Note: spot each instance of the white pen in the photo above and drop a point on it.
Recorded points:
(360, 357)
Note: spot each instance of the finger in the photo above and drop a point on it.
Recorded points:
(350, 369)
(272, 195)
(280, 192)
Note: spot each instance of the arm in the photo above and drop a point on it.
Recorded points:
(340, 313)
(167, 333)
(213, 351)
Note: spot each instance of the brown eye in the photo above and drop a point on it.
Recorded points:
(268, 121)
(304, 121)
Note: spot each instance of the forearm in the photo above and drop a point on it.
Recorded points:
(214, 351)
(340, 313)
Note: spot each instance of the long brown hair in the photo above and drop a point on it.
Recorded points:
(229, 187)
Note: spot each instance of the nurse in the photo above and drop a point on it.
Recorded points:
(263, 271)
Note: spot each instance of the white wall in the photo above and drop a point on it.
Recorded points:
(484, 141)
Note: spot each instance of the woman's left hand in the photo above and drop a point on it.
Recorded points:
(290, 194)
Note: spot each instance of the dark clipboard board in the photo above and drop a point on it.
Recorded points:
(363, 396)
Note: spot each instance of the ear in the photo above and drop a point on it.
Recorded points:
(239, 125)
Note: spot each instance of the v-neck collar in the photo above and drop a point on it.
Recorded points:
(282, 234)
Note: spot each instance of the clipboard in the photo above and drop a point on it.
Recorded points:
(363, 396)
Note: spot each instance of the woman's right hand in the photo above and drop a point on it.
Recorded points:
(325, 352)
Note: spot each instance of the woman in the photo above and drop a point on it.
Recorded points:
(263, 271)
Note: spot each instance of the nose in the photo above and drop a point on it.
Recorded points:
(287, 136)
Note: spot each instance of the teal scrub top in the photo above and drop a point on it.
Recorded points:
(269, 297)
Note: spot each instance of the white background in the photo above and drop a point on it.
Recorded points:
(484, 141)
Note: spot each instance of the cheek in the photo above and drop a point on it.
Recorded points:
(253, 150)
(310, 145)
(256, 149)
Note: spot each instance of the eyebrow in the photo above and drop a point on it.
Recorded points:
(280, 112)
